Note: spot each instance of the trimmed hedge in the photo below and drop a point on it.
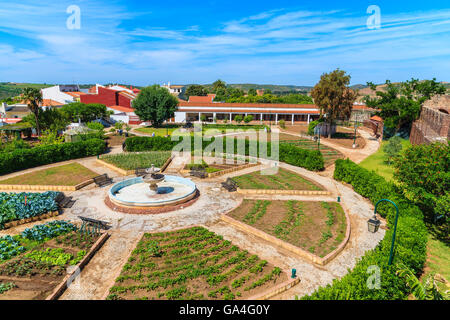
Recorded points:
(410, 245)
(38, 156)
(290, 154)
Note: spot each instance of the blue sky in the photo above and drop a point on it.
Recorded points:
(265, 42)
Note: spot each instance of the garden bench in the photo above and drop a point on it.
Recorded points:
(140, 172)
(199, 173)
(230, 185)
(103, 180)
(93, 225)
(63, 201)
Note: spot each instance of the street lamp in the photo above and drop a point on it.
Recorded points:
(354, 141)
(374, 224)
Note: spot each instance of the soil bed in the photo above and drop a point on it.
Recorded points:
(317, 227)
(192, 264)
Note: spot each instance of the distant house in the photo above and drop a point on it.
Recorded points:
(63, 94)
(175, 90)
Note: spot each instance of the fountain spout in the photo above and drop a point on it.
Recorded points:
(153, 177)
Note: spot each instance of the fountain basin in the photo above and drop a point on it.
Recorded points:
(135, 193)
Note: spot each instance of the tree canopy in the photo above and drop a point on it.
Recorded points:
(33, 97)
(333, 96)
(155, 104)
(195, 90)
(400, 104)
(85, 112)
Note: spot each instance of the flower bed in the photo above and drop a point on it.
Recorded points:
(18, 206)
(132, 161)
(194, 264)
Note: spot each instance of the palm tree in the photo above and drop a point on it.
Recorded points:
(33, 97)
(422, 291)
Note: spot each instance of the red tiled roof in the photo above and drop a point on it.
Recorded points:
(248, 105)
(250, 111)
(376, 118)
(362, 107)
(51, 103)
(75, 94)
(202, 99)
(121, 108)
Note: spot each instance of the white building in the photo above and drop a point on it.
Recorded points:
(63, 94)
(175, 90)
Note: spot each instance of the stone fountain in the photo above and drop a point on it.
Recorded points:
(153, 177)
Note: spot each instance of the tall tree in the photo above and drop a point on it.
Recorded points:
(252, 92)
(400, 104)
(155, 104)
(195, 90)
(333, 96)
(219, 84)
(33, 97)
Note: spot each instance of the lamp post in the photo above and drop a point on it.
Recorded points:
(318, 140)
(374, 224)
(354, 141)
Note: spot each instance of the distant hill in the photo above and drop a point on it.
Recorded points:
(12, 89)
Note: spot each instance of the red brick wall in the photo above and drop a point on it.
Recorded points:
(123, 101)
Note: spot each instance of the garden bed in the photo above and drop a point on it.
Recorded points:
(282, 180)
(193, 264)
(316, 227)
(126, 163)
(36, 261)
(72, 174)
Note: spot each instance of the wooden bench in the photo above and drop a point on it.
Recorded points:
(230, 185)
(103, 180)
(199, 173)
(140, 172)
(93, 226)
(63, 201)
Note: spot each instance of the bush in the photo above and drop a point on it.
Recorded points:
(308, 159)
(29, 158)
(238, 119)
(248, 119)
(410, 248)
(95, 126)
(282, 124)
(312, 125)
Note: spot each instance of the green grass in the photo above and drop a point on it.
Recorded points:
(132, 161)
(160, 132)
(376, 162)
(66, 175)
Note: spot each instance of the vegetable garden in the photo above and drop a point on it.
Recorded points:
(318, 227)
(34, 262)
(192, 264)
(18, 206)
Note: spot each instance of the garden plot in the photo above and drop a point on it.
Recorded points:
(330, 155)
(34, 262)
(191, 264)
(317, 227)
(282, 180)
(133, 161)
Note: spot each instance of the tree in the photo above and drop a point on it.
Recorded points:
(423, 172)
(195, 90)
(219, 84)
(252, 92)
(393, 148)
(333, 96)
(400, 104)
(155, 104)
(49, 119)
(33, 97)
(78, 111)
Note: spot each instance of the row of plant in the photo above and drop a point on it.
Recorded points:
(190, 264)
(258, 211)
(288, 153)
(11, 246)
(18, 206)
(410, 245)
(132, 161)
(22, 159)
(292, 219)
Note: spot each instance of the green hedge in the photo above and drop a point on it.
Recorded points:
(29, 158)
(290, 154)
(410, 248)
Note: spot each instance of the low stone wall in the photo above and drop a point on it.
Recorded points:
(224, 172)
(283, 192)
(285, 245)
(25, 187)
(68, 279)
(16, 223)
(277, 290)
(130, 172)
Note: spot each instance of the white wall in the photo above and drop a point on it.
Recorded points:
(55, 94)
(180, 117)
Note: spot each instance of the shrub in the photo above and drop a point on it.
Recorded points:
(29, 158)
(312, 125)
(410, 249)
(238, 118)
(95, 126)
(282, 124)
(248, 119)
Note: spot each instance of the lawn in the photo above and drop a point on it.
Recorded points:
(377, 163)
(132, 161)
(282, 180)
(317, 227)
(160, 132)
(192, 264)
(67, 175)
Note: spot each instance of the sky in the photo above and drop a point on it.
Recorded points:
(184, 42)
